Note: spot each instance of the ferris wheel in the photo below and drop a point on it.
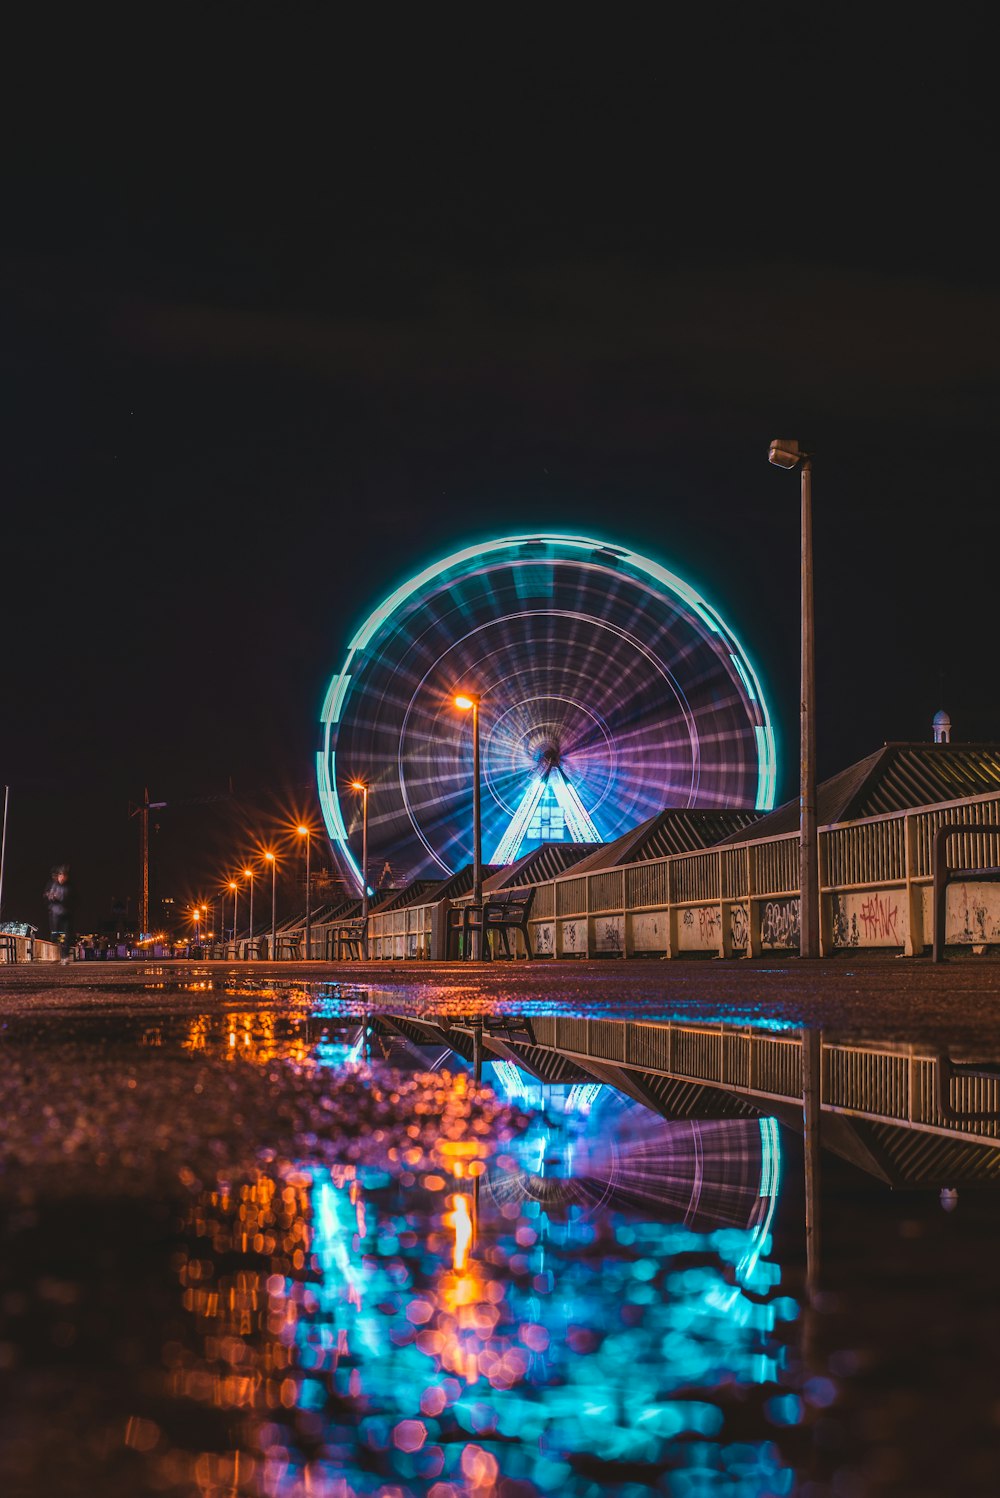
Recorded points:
(608, 689)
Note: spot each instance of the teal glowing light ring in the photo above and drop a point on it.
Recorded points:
(401, 620)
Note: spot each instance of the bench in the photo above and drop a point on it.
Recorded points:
(352, 935)
(289, 946)
(8, 946)
(506, 911)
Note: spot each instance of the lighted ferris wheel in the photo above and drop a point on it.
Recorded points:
(609, 689)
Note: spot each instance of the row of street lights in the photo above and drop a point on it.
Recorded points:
(249, 873)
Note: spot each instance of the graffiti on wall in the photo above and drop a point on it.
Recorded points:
(649, 932)
(878, 918)
(544, 938)
(845, 924)
(739, 927)
(863, 920)
(779, 923)
(609, 934)
(701, 927)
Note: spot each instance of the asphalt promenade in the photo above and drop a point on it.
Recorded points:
(877, 997)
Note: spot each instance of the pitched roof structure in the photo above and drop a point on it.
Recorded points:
(897, 777)
(540, 865)
(678, 829)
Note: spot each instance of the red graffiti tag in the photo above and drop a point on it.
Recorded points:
(879, 919)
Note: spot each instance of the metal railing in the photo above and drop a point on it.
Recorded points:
(887, 1083)
(875, 878)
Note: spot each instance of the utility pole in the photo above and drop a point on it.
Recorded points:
(145, 864)
(143, 812)
(3, 840)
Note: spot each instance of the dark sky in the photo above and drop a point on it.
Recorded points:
(289, 310)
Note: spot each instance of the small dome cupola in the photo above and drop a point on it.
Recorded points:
(942, 728)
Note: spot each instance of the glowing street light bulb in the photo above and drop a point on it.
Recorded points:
(466, 702)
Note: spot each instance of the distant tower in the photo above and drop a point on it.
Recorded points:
(942, 728)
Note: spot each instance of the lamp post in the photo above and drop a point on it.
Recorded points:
(270, 858)
(465, 701)
(362, 786)
(788, 454)
(236, 895)
(248, 874)
(196, 917)
(307, 834)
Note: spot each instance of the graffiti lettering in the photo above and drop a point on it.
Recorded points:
(779, 926)
(709, 921)
(879, 919)
(739, 927)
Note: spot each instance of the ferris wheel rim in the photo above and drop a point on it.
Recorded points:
(591, 549)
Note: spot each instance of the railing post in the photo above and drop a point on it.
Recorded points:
(672, 944)
(941, 885)
(753, 911)
(913, 945)
(812, 1107)
(825, 912)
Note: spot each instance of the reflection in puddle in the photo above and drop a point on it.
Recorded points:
(554, 1314)
(427, 1289)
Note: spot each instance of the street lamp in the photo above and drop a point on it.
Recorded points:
(466, 701)
(196, 917)
(236, 895)
(248, 874)
(788, 454)
(270, 858)
(307, 834)
(361, 785)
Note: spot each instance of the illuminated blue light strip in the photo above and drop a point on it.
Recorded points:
(744, 678)
(766, 767)
(332, 814)
(770, 1173)
(334, 705)
(509, 845)
(581, 828)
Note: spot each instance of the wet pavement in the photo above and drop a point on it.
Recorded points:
(908, 998)
(253, 1240)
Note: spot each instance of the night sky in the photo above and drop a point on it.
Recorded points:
(291, 310)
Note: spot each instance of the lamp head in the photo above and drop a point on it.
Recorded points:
(358, 785)
(302, 831)
(269, 857)
(466, 700)
(232, 884)
(784, 453)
